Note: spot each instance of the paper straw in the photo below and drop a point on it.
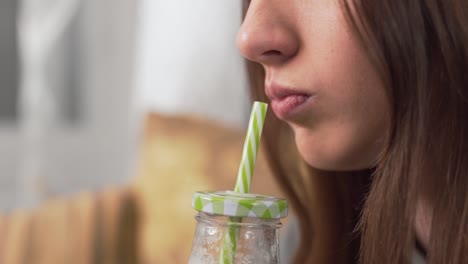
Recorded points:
(244, 176)
(251, 146)
(229, 246)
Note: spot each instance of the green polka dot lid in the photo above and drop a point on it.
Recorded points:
(236, 204)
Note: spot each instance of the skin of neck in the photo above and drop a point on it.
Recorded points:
(423, 222)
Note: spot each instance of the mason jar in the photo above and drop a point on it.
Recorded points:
(236, 228)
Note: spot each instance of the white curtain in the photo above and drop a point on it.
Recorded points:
(87, 45)
(41, 24)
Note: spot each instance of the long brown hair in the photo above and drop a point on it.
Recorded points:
(420, 49)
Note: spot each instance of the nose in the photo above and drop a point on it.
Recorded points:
(265, 35)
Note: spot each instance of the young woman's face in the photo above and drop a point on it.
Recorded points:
(319, 80)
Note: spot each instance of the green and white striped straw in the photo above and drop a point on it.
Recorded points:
(251, 146)
(244, 176)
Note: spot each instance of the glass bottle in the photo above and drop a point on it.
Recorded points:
(236, 228)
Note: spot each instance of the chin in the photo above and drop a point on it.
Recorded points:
(333, 164)
(332, 150)
(329, 159)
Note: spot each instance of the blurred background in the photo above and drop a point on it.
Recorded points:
(107, 108)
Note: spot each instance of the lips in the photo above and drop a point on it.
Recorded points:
(286, 102)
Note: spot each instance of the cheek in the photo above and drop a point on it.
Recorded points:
(353, 120)
(346, 129)
(352, 134)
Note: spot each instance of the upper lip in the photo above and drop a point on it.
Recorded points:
(278, 92)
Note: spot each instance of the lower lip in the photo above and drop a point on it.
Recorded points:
(290, 106)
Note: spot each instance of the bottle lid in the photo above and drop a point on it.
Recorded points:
(236, 204)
